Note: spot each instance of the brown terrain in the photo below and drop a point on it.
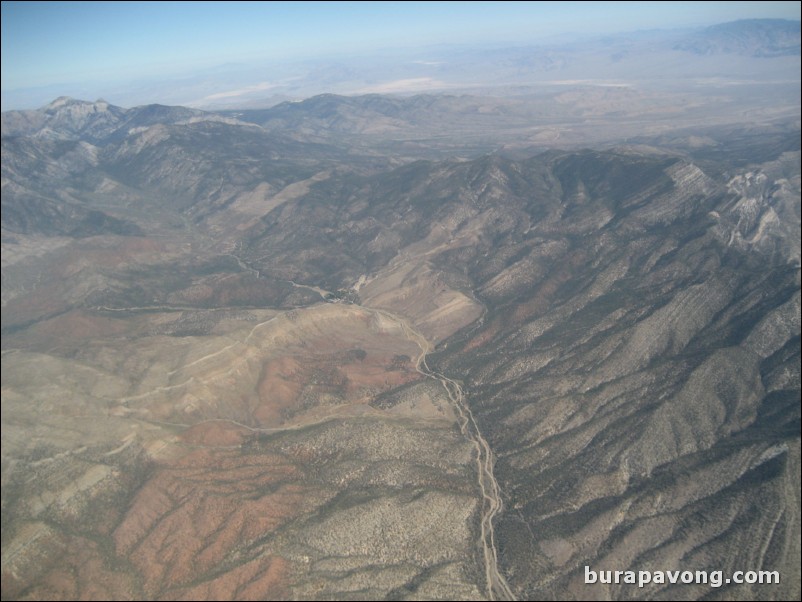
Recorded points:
(379, 347)
(218, 466)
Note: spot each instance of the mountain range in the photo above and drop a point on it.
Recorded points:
(756, 52)
(429, 347)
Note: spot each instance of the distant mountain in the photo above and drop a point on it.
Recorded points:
(64, 118)
(380, 118)
(763, 38)
(755, 50)
(70, 119)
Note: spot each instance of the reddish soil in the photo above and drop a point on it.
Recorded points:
(199, 515)
(349, 379)
(216, 433)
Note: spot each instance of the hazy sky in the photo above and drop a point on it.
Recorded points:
(49, 43)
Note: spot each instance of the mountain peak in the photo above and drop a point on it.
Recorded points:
(61, 101)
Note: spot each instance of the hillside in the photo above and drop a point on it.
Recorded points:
(244, 362)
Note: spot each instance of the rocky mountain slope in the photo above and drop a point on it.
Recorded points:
(242, 365)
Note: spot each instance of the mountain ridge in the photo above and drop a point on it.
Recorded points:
(264, 383)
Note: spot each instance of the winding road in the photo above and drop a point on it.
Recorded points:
(497, 586)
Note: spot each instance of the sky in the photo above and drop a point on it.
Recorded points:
(47, 44)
